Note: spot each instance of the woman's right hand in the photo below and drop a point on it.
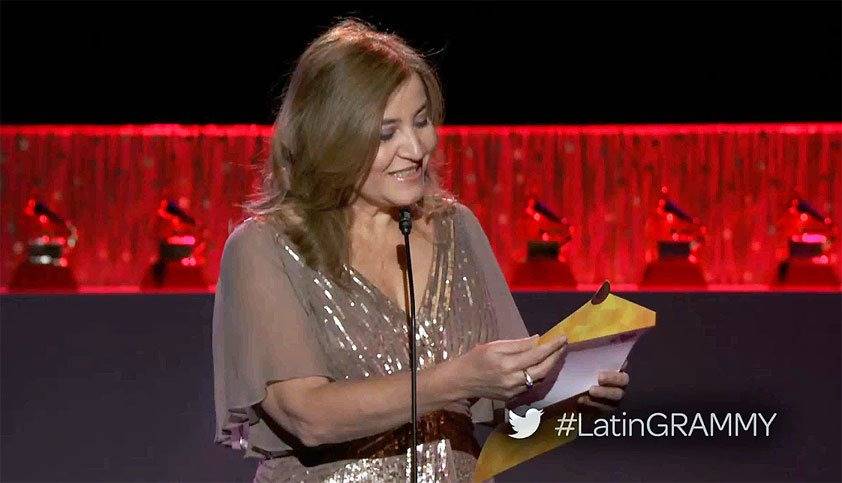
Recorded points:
(495, 370)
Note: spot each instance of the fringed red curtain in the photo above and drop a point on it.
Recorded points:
(606, 180)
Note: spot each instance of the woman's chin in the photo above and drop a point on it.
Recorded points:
(406, 197)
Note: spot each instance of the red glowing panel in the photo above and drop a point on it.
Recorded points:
(605, 179)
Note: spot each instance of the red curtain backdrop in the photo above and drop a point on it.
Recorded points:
(606, 180)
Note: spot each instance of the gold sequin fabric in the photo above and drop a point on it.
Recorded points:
(437, 463)
(365, 334)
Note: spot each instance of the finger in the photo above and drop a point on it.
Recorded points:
(543, 368)
(610, 393)
(537, 354)
(515, 381)
(613, 379)
(519, 399)
(588, 401)
(560, 340)
(515, 346)
(516, 388)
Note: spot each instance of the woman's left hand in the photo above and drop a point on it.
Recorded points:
(608, 393)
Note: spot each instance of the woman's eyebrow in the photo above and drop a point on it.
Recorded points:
(392, 120)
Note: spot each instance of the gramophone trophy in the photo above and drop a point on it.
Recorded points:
(810, 237)
(180, 261)
(545, 264)
(678, 238)
(49, 239)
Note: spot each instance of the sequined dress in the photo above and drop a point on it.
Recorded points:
(276, 319)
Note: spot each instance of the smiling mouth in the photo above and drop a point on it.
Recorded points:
(408, 172)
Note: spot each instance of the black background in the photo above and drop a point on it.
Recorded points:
(501, 63)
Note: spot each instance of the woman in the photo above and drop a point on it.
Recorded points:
(310, 334)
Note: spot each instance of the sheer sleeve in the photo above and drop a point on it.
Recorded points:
(509, 321)
(506, 314)
(261, 334)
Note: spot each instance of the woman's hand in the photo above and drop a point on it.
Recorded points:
(608, 393)
(495, 370)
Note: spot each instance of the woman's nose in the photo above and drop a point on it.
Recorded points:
(411, 147)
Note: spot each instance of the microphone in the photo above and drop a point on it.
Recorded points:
(405, 225)
(405, 221)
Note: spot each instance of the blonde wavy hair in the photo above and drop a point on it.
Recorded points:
(326, 136)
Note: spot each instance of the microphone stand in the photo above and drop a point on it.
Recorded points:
(405, 224)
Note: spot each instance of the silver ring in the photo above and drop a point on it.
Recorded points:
(529, 381)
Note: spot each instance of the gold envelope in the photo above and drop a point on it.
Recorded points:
(604, 315)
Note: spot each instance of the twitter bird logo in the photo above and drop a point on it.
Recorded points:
(525, 426)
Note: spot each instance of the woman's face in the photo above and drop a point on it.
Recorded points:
(407, 139)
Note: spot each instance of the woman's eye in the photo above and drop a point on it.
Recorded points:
(387, 135)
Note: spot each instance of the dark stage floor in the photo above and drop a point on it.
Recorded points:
(118, 387)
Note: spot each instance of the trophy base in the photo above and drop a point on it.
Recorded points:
(544, 273)
(36, 277)
(173, 274)
(673, 272)
(795, 272)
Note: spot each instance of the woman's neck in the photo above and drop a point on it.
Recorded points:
(371, 222)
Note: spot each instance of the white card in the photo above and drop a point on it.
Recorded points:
(579, 369)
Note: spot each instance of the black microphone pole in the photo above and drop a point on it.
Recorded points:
(405, 224)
